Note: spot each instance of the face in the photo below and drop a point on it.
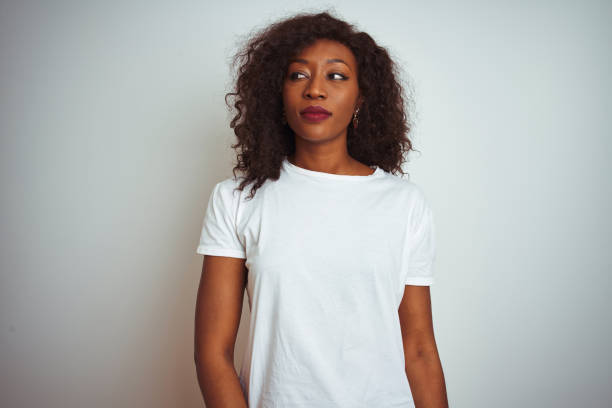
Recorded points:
(323, 74)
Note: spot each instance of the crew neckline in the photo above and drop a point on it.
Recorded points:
(287, 165)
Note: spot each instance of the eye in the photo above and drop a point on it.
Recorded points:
(294, 74)
(342, 77)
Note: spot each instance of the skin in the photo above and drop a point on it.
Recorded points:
(333, 85)
(320, 147)
(217, 317)
(422, 361)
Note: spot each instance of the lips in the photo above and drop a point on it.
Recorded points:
(315, 113)
(315, 110)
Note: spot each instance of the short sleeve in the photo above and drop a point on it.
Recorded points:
(219, 235)
(420, 245)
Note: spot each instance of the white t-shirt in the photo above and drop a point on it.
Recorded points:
(328, 256)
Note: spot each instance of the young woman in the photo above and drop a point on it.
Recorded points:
(335, 251)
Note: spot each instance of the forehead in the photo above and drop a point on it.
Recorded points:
(324, 49)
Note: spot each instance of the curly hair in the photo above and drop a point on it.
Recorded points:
(264, 140)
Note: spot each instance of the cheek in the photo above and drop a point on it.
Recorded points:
(347, 106)
(347, 97)
(289, 96)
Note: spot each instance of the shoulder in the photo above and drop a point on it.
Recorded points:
(225, 194)
(228, 186)
(411, 202)
(406, 189)
(229, 191)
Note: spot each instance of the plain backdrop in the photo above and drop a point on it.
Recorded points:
(114, 131)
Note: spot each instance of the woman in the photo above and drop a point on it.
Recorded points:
(334, 250)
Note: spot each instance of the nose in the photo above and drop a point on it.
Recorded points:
(315, 88)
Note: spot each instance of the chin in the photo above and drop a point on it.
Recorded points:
(317, 136)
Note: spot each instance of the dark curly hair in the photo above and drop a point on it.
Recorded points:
(264, 140)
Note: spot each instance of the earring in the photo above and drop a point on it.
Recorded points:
(355, 120)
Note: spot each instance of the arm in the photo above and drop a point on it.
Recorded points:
(218, 311)
(423, 366)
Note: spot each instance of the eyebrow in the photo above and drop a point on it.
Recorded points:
(329, 61)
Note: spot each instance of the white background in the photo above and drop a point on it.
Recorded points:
(114, 130)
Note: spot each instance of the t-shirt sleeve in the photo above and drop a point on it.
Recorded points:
(219, 235)
(420, 245)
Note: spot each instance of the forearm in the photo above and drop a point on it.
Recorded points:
(219, 383)
(426, 378)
